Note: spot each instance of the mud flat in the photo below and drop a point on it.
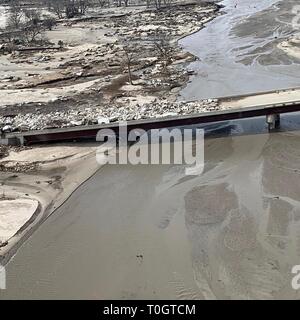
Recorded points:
(245, 244)
(35, 182)
(291, 47)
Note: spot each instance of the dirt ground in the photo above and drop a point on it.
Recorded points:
(91, 68)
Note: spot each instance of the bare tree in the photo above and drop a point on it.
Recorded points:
(32, 17)
(118, 3)
(49, 22)
(103, 3)
(168, 3)
(69, 8)
(31, 32)
(157, 4)
(32, 26)
(165, 53)
(129, 56)
(26, 29)
(15, 14)
(57, 6)
(83, 5)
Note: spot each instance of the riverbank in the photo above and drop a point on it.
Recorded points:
(42, 178)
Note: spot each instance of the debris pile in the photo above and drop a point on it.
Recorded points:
(3, 151)
(7, 166)
(104, 115)
(174, 21)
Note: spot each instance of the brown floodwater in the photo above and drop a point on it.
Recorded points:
(238, 51)
(150, 231)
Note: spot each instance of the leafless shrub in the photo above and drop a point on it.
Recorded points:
(57, 7)
(83, 5)
(68, 8)
(26, 29)
(49, 22)
(103, 3)
(15, 15)
(165, 53)
(129, 57)
(158, 4)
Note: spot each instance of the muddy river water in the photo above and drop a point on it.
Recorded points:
(134, 232)
(238, 51)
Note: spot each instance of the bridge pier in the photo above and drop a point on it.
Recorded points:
(273, 121)
(13, 141)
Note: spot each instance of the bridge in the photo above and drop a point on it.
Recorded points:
(239, 107)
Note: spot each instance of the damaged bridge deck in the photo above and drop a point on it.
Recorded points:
(90, 132)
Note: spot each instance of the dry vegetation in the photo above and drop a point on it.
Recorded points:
(104, 60)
